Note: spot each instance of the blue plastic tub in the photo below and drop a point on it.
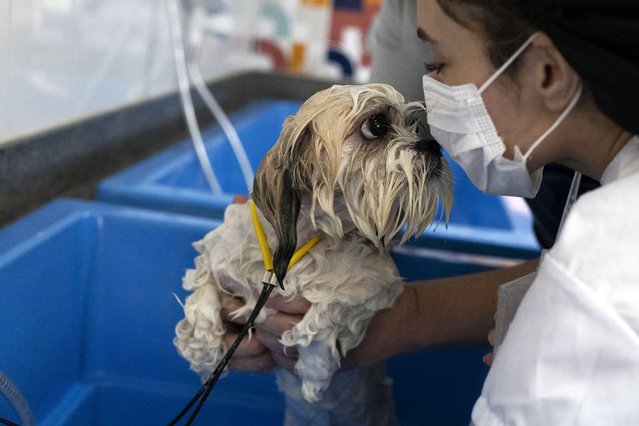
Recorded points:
(87, 315)
(173, 181)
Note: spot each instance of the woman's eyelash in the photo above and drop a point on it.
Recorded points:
(432, 67)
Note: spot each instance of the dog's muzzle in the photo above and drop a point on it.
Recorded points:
(428, 146)
(426, 143)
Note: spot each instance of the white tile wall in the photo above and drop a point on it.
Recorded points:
(61, 60)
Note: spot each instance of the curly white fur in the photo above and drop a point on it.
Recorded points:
(343, 298)
(359, 194)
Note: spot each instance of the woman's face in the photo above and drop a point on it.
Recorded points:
(460, 56)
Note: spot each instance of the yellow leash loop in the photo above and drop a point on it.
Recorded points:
(266, 252)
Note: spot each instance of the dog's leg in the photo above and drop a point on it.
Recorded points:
(358, 397)
(199, 335)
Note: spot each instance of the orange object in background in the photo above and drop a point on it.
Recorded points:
(318, 3)
(306, 47)
(296, 60)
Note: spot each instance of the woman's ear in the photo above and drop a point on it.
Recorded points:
(555, 80)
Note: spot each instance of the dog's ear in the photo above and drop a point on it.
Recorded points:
(276, 192)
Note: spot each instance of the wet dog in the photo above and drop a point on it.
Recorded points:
(355, 166)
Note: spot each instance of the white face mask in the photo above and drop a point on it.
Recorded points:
(460, 123)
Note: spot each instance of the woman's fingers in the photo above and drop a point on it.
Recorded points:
(297, 305)
(250, 355)
(261, 364)
(283, 361)
(488, 358)
(269, 334)
(272, 343)
(281, 355)
(491, 337)
(278, 323)
(230, 305)
(260, 353)
(263, 350)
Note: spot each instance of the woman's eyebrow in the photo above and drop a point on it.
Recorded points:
(423, 35)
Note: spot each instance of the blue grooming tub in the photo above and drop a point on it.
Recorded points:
(173, 181)
(87, 315)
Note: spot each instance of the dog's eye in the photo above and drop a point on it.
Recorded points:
(375, 127)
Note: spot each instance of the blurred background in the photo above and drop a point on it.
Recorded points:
(61, 60)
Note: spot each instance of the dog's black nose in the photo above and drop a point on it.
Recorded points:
(428, 145)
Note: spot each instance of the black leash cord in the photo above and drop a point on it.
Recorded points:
(207, 387)
(7, 422)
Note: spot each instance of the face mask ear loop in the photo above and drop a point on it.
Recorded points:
(557, 122)
(572, 197)
(506, 64)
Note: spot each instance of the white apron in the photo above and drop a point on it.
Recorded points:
(571, 355)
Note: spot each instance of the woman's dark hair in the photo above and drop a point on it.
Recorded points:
(506, 29)
(597, 38)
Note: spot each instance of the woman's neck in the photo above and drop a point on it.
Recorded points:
(593, 142)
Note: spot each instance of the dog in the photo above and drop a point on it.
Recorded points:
(356, 166)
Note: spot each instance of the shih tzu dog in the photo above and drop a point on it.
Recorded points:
(355, 166)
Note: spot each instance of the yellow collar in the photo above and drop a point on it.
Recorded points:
(266, 252)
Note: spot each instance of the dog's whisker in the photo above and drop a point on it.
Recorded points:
(178, 300)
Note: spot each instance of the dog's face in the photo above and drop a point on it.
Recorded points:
(359, 157)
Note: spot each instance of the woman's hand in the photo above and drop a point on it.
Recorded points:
(269, 333)
(261, 352)
(251, 355)
(488, 358)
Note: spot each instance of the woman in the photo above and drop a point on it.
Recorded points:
(398, 57)
(567, 94)
(513, 86)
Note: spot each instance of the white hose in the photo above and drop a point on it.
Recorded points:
(185, 95)
(17, 401)
(225, 123)
(110, 59)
